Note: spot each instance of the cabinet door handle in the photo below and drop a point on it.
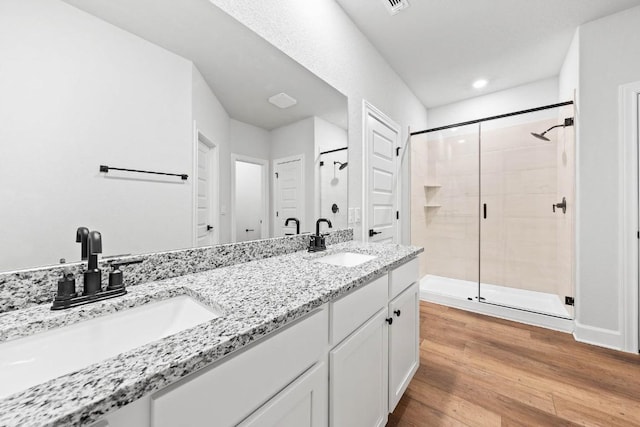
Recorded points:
(396, 312)
(389, 320)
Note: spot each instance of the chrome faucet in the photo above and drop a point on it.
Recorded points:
(317, 242)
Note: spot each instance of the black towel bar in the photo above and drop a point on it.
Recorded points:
(106, 169)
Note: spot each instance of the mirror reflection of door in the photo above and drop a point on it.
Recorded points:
(289, 184)
(249, 200)
(205, 201)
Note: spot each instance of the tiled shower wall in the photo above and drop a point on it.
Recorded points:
(521, 243)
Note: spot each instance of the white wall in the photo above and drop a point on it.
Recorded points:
(298, 138)
(608, 58)
(212, 121)
(321, 37)
(530, 95)
(569, 75)
(76, 93)
(249, 140)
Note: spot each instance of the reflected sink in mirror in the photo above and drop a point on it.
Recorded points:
(32, 360)
(346, 259)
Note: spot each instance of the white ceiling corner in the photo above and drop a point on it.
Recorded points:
(439, 47)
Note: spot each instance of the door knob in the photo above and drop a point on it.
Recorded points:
(209, 227)
(372, 232)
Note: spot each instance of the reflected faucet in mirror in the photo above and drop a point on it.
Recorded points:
(296, 220)
(317, 243)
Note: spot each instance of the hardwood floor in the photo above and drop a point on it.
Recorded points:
(477, 370)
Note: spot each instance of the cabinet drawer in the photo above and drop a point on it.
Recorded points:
(227, 392)
(401, 277)
(353, 310)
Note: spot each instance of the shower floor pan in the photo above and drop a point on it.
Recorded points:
(537, 302)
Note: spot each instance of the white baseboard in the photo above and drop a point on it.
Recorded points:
(597, 336)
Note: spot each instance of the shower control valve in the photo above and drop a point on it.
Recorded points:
(562, 205)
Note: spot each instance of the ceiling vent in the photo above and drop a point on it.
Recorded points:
(395, 6)
(283, 100)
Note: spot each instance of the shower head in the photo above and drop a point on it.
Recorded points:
(540, 136)
(567, 122)
(342, 165)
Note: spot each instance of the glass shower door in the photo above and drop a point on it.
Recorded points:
(524, 247)
(445, 203)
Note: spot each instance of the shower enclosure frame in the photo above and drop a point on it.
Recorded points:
(499, 310)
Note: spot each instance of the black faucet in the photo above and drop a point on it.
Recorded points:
(297, 221)
(90, 247)
(93, 275)
(317, 242)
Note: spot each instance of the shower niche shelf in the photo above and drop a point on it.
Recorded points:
(432, 190)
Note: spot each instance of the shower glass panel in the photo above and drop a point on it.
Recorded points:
(526, 246)
(445, 210)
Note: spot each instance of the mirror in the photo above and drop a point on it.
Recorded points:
(159, 86)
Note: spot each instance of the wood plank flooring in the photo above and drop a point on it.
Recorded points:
(477, 370)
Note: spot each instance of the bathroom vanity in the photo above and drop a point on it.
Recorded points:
(296, 341)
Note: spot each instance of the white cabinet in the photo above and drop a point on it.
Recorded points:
(302, 404)
(224, 393)
(347, 364)
(358, 376)
(404, 337)
(372, 367)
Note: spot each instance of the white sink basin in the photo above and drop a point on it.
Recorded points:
(29, 361)
(346, 259)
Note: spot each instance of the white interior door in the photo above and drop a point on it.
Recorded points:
(205, 232)
(289, 194)
(249, 199)
(382, 139)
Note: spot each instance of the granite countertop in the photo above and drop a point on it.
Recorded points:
(255, 298)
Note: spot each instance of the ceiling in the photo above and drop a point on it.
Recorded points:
(240, 67)
(439, 47)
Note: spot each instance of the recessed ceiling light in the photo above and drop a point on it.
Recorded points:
(283, 100)
(480, 83)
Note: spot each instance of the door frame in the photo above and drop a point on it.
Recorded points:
(199, 136)
(629, 120)
(274, 193)
(264, 229)
(369, 109)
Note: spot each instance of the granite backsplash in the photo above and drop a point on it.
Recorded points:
(26, 288)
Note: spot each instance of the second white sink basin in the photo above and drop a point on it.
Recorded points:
(32, 360)
(346, 259)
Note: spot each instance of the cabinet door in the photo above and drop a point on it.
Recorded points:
(404, 356)
(358, 378)
(301, 404)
